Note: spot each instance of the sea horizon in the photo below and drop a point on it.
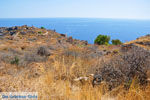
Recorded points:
(86, 28)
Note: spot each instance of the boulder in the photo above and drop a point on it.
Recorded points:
(63, 35)
(12, 33)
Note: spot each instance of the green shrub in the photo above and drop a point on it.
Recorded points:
(102, 40)
(39, 32)
(42, 27)
(15, 60)
(116, 42)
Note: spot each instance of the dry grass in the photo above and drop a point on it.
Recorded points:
(53, 80)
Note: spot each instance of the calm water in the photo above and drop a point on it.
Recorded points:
(86, 28)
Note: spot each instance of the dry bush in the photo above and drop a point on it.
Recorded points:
(28, 58)
(43, 51)
(132, 62)
(55, 81)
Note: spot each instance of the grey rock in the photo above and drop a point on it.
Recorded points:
(23, 33)
(97, 80)
(1, 34)
(147, 43)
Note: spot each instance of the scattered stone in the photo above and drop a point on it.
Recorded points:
(1, 34)
(147, 43)
(10, 29)
(70, 40)
(125, 48)
(23, 33)
(1, 90)
(12, 33)
(1, 30)
(84, 42)
(64, 35)
(32, 39)
(97, 80)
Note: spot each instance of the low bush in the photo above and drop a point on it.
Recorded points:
(43, 51)
(42, 27)
(39, 32)
(30, 57)
(124, 68)
(116, 42)
(15, 60)
(102, 40)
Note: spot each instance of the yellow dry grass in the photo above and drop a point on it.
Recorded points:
(54, 81)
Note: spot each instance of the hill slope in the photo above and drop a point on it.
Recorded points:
(60, 67)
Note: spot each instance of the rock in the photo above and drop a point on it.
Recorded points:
(23, 33)
(1, 30)
(125, 48)
(97, 80)
(95, 54)
(64, 35)
(1, 34)
(84, 42)
(12, 33)
(24, 26)
(30, 31)
(70, 40)
(32, 39)
(1, 90)
(147, 43)
(108, 52)
(148, 35)
(10, 29)
(81, 78)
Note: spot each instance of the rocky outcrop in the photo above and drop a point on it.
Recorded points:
(146, 43)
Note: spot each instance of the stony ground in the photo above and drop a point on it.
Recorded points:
(62, 68)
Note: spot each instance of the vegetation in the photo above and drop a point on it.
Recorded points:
(39, 32)
(102, 40)
(64, 70)
(116, 42)
(15, 60)
(42, 27)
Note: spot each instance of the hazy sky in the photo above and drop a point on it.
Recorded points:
(133, 9)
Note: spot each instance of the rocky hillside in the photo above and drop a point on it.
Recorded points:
(62, 68)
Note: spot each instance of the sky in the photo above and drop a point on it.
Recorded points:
(126, 9)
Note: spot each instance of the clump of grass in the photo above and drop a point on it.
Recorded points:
(15, 60)
(39, 32)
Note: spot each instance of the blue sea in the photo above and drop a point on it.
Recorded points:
(87, 28)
